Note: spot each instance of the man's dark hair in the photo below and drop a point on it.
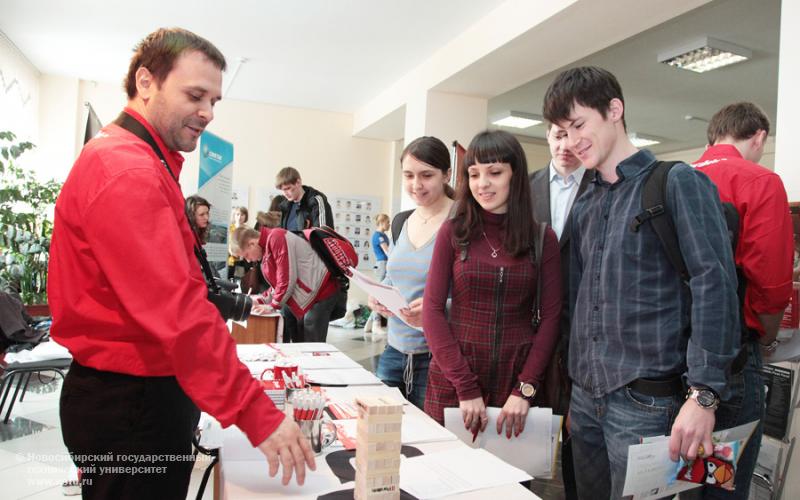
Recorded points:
(588, 86)
(496, 146)
(159, 50)
(739, 121)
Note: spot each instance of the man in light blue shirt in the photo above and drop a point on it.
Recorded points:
(566, 174)
(554, 190)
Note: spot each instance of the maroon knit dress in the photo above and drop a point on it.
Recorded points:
(486, 345)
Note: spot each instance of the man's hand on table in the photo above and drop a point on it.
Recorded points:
(291, 449)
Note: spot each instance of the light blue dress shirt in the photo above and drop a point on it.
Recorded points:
(562, 194)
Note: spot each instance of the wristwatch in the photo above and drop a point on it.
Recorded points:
(528, 390)
(704, 397)
(770, 348)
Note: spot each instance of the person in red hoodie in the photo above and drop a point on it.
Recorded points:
(300, 281)
(764, 255)
(149, 349)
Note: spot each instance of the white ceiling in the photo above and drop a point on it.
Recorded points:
(338, 54)
(321, 54)
(657, 96)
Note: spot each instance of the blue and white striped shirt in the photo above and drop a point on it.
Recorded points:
(407, 270)
(632, 315)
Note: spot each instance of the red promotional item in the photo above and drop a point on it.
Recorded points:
(791, 316)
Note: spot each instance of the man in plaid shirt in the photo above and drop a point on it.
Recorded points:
(639, 331)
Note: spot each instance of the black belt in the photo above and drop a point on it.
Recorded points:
(671, 385)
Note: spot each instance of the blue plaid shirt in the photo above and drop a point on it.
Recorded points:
(632, 315)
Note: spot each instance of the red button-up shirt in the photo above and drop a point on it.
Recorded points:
(125, 287)
(765, 249)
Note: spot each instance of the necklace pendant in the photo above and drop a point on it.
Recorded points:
(494, 254)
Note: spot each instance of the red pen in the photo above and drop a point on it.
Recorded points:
(477, 429)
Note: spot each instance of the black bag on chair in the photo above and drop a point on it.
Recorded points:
(15, 323)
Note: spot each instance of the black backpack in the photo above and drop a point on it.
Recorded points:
(654, 206)
(397, 224)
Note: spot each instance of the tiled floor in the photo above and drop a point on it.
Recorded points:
(34, 461)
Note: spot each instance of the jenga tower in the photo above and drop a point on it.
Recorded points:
(378, 448)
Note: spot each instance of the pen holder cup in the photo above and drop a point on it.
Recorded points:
(288, 408)
(320, 435)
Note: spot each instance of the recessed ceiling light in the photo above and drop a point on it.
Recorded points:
(642, 141)
(517, 119)
(705, 54)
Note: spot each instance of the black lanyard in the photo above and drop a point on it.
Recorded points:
(135, 127)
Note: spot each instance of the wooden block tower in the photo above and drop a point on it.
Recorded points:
(378, 448)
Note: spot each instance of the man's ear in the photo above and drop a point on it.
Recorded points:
(616, 109)
(759, 139)
(145, 83)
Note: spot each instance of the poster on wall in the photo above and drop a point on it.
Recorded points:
(354, 218)
(264, 197)
(214, 184)
(240, 197)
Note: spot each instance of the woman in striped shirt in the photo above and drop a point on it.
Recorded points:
(426, 170)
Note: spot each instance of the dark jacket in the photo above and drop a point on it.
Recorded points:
(314, 209)
(540, 191)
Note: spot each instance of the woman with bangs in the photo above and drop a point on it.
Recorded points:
(486, 349)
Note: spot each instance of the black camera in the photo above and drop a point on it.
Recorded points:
(235, 306)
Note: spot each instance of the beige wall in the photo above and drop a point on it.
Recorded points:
(19, 95)
(692, 155)
(537, 155)
(319, 144)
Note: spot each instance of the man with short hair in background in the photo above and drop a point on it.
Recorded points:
(304, 207)
(555, 188)
(764, 256)
(149, 350)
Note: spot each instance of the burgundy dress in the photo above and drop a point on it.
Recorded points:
(487, 346)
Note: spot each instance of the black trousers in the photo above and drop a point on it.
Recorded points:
(131, 437)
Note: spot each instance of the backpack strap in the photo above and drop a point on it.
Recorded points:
(536, 257)
(397, 224)
(654, 206)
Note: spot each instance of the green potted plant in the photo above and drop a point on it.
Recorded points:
(25, 229)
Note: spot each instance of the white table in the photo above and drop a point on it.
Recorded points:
(243, 474)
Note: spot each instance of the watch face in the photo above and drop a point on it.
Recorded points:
(527, 390)
(706, 398)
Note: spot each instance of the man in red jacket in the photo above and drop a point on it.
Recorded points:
(764, 255)
(149, 348)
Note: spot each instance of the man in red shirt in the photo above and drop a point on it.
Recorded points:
(763, 255)
(148, 346)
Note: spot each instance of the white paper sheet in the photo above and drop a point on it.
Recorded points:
(417, 428)
(349, 394)
(389, 296)
(256, 352)
(531, 451)
(651, 473)
(288, 349)
(351, 376)
(455, 471)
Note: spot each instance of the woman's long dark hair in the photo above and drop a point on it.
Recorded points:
(192, 202)
(496, 146)
(430, 150)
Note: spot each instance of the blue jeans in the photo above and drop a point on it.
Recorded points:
(603, 428)
(394, 371)
(746, 404)
(380, 273)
